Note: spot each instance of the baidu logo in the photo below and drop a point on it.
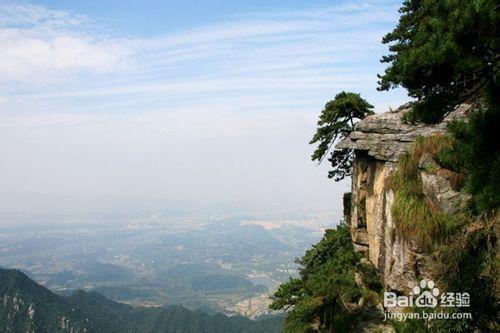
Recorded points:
(430, 300)
(426, 295)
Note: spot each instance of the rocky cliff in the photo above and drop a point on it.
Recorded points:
(378, 142)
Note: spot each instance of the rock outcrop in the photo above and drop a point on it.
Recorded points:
(378, 141)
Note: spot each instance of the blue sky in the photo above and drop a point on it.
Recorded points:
(117, 106)
(149, 18)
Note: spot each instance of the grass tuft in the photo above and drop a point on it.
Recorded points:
(433, 145)
(414, 215)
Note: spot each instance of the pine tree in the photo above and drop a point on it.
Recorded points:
(336, 122)
(444, 52)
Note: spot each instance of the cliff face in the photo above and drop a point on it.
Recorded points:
(378, 142)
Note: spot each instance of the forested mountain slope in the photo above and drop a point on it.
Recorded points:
(29, 307)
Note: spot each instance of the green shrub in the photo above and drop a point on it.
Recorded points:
(475, 152)
(323, 294)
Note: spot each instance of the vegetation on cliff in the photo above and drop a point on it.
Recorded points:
(414, 214)
(469, 261)
(336, 122)
(463, 244)
(444, 53)
(475, 152)
(326, 294)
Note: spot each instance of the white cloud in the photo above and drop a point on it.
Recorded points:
(41, 45)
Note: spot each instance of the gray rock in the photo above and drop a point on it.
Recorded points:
(385, 136)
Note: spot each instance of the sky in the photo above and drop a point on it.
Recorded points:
(144, 107)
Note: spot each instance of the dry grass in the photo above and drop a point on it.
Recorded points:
(414, 215)
(431, 145)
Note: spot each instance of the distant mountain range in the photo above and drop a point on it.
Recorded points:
(26, 306)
